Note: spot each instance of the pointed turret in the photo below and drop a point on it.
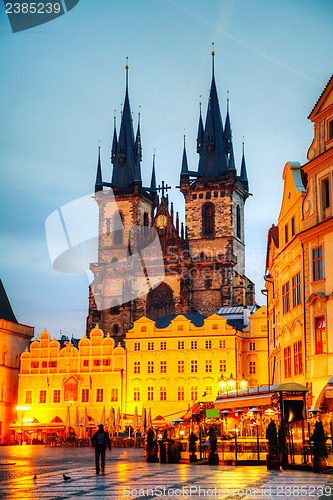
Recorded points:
(200, 133)
(184, 170)
(231, 160)
(114, 141)
(213, 159)
(227, 131)
(99, 182)
(126, 168)
(243, 174)
(138, 147)
(153, 178)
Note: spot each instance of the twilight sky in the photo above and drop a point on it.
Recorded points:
(62, 81)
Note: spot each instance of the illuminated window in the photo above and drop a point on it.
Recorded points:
(137, 346)
(181, 366)
(150, 346)
(86, 362)
(297, 297)
(114, 394)
(97, 362)
(194, 393)
(208, 366)
(34, 364)
(52, 364)
(325, 193)
(150, 393)
(298, 360)
(208, 344)
(163, 346)
(287, 362)
(28, 397)
(106, 362)
(209, 389)
(252, 346)
(286, 297)
(293, 228)
(44, 364)
(194, 366)
(136, 394)
(42, 396)
(320, 335)
(137, 367)
(223, 366)
(252, 367)
(286, 236)
(163, 366)
(162, 393)
(181, 393)
(150, 366)
(85, 395)
(317, 262)
(222, 344)
(194, 344)
(56, 396)
(99, 395)
(181, 345)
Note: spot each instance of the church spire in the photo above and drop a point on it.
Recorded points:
(99, 182)
(213, 160)
(227, 131)
(114, 141)
(153, 178)
(184, 170)
(243, 174)
(126, 168)
(200, 133)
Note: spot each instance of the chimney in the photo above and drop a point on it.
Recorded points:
(246, 314)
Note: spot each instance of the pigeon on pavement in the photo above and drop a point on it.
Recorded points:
(35, 476)
(66, 478)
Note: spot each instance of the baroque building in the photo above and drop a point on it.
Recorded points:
(168, 365)
(299, 277)
(150, 265)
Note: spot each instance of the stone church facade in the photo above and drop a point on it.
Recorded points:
(202, 264)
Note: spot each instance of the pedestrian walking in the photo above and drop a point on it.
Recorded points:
(100, 440)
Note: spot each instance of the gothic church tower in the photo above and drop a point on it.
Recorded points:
(214, 216)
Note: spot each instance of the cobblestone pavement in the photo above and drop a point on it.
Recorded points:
(129, 476)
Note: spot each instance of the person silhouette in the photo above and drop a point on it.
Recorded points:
(100, 440)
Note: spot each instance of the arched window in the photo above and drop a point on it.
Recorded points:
(160, 302)
(115, 329)
(146, 219)
(238, 223)
(208, 223)
(118, 228)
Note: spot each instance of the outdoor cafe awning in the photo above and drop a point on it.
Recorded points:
(244, 402)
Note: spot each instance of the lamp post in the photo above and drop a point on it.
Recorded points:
(22, 408)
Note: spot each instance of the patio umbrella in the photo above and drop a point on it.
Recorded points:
(143, 420)
(149, 419)
(77, 420)
(135, 420)
(118, 419)
(68, 420)
(103, 419)
(111, 420)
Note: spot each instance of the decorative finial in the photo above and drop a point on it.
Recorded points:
(228, 101)
(213, 54)
(121, 108)
(126, 67)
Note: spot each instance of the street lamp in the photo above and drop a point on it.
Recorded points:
(243, 383)
(22, 408)
(231, 383)
(222, 383)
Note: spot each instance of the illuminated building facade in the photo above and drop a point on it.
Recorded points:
(299, 276)
(14, 338)
(166, 369)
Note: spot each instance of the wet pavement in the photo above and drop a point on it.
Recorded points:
(127, 475)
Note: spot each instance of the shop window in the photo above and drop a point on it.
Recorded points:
(320, 335)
